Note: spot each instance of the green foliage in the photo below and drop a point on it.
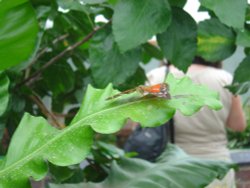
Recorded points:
(52, 50)
(18, 32)
(135, 22)
(215, 40)
(29, 149)
(105, 57)
(241, 79)
(240, 139)
(4, 92)
(178, 42)
(230, 12)
(169, 171)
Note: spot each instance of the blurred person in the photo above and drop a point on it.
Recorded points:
(204, 134)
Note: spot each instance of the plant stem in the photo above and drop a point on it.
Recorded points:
(45, 110)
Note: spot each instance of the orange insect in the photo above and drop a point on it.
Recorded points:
(158, 90)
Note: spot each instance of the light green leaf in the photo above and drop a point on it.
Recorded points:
(29, 150)
(230, 12)
(191, 97)
(142, 109)
(4, 93)
(166, 172)
(18, 32)
(216, 41)
(178, 42)
(134, 22)
(108, 64)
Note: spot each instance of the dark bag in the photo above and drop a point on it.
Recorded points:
(149, 143)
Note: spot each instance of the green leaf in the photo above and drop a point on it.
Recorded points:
(191, 97)
(4, 92)
(178, 42)
(153, 51)
(241, 81)
(215, 40)
(29, 150)
(73, 5)
(142, 109)
(177, 3)
(59, 84)
(230, 12)
(18, 32)
(243, 38)
(108, 64)
(172, 165)
(134, 22)
(139, 78)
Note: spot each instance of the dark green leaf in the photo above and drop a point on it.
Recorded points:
(135, 22)
(216, 41)
(137, 79)
(4, 92)
(247, 51)
(230, 12)
(18, 32)
(153, 51)
(241, 81)
(173, 164)
(177, 3)
(178, 42)
(73, 5)
(108, 64)
(59, 173)
(248, 13)
(63, 82)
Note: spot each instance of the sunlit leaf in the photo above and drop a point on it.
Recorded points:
(191, 97)
(216, 41)
(28, 150)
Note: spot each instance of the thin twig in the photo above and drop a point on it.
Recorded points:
(45, 111)
(42, 52)
(32, 78)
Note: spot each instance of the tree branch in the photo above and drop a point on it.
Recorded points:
(45, 111)
(33, 77)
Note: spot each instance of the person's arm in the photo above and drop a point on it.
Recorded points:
(236, 119)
